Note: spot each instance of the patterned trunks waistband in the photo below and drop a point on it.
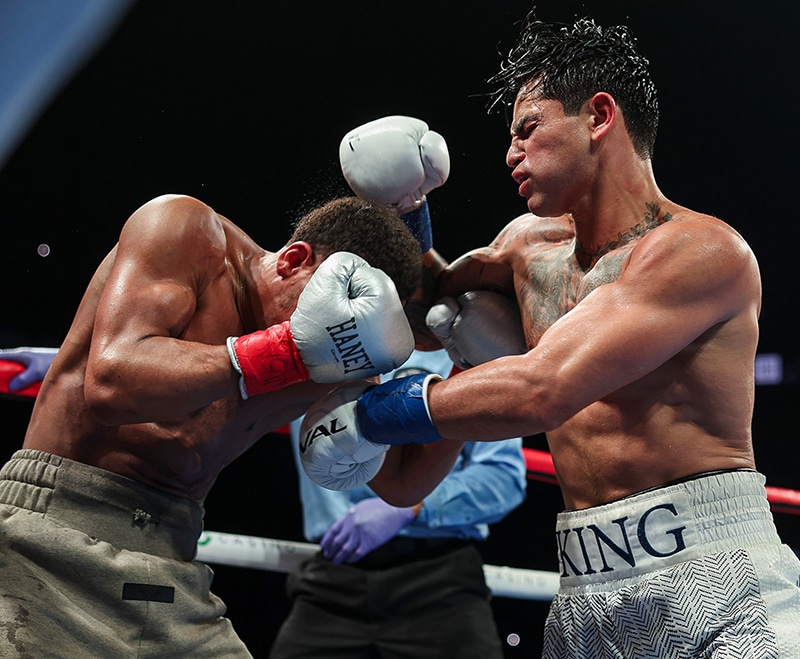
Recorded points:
(664, 526)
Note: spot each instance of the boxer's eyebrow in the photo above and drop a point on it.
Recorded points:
(520, 127)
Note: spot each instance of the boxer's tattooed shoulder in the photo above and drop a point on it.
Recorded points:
(536, 232)
(562, 273)
(507, 234)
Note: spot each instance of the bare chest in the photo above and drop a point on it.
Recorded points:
(553, 282)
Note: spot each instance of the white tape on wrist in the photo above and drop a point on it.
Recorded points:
(433, 377)
(236, 365)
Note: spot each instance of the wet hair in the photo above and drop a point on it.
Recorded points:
(571, 63)
(374, 232)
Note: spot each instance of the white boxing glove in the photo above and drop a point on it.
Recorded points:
(332, 452)
(394, 161)
(477, 327)
(349, 323)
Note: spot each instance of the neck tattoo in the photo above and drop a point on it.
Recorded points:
(652, 218)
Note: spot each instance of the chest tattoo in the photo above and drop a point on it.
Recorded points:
(561, 275)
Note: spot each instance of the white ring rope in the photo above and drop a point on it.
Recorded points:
(283, 555)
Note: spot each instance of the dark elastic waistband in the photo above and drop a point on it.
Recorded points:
(102, 504)
(403, 549)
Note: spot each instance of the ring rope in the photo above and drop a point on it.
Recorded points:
(540, 468)
(283, 555)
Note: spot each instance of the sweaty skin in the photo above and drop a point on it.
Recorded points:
(641, 317)
(123, 392)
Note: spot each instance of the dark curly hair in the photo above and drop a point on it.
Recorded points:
(374, 232)
(570, 63)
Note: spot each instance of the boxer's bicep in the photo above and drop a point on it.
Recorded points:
(148, 294)
(149, 298)
(136, 305)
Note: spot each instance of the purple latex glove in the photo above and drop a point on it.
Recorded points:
(367, 525)
(35, 360)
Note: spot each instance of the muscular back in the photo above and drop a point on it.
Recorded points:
(142, 385)
(643, 371)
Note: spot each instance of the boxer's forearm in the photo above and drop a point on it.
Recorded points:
(423, 299)
(410, 472)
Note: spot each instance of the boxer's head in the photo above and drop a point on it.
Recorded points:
(571, 63)
(373, 231)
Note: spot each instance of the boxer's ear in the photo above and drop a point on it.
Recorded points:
(603, 113)
(293, 257)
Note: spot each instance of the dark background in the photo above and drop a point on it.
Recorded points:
(243, 105)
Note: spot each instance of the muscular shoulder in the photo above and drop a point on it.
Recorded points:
(519, 243)
(174, 218)
(697, 238)
(532, 230)
(696, 254)
(175, 238)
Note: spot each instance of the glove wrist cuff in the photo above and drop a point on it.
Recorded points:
(418, 222)
(266, 360)
(396, 412)
(236, 365)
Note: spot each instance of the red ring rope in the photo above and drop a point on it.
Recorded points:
(540, 468)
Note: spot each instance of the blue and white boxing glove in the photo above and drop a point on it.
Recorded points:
(345, 435)
(396, 161)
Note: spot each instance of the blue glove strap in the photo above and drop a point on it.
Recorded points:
(419, 223)
(394, 412)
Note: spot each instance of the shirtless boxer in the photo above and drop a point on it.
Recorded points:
(641, 319)
(191, 342)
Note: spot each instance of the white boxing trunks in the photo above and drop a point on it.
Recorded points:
(692, 569)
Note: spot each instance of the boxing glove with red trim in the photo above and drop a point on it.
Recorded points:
(396, 161)
(348, 324)
(477, 327)
(344, 435)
